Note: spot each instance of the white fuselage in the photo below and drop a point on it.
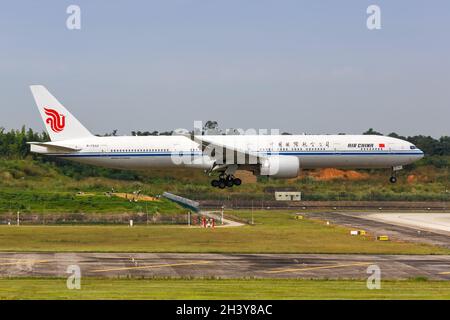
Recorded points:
(313, 151)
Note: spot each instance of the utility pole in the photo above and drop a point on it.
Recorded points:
(43, 213)
(189, 218)
(252, 212)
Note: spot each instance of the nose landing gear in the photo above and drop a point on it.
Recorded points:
(393, 178)
(226, 181)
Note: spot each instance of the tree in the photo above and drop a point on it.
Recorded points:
(211, 128)
(394, 135)
(113, 133)
(427, 144)
(211, 125)
(372, 132)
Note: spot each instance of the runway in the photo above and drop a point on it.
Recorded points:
(429, 228)
(434, 222)
(148, 265)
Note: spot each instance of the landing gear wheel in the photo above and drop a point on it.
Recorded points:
(222, 184)
(226, 181)
(215, 183)
(237, 181)
(393, 178)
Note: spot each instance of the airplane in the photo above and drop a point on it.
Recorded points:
(276, 156)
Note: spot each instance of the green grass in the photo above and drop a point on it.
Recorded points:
(32, 201)
(20, 288)
(274, 231)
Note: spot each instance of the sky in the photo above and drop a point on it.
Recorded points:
(297, 66)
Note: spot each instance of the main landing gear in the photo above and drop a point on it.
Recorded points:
(393, 178)
(226, 181)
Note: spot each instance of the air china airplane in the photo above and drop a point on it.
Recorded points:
(277, 156)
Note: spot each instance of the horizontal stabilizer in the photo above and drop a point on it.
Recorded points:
(48, 147)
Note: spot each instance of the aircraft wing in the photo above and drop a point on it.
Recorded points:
(222, 153)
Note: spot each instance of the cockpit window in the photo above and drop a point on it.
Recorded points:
(412, 147)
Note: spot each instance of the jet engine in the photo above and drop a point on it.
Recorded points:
(282, 167)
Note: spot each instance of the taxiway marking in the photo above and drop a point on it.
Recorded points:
(155, 266)
(319, 267)
(446, 272)
(21, 261)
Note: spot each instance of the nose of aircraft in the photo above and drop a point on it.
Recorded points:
(417, 153)
(420, 154)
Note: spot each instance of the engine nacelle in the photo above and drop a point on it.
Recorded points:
(282, 167)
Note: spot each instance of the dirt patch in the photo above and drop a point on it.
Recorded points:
(336, 174)
(6, 176)
(135, 197)
(246, 176)
(128, 196)
(85, 194)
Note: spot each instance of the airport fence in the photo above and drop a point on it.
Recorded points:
(93, 218)
(324, 196)
(327, 205)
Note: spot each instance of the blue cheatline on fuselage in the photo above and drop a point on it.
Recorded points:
(188, 153)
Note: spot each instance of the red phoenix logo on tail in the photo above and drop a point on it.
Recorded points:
(56, 120)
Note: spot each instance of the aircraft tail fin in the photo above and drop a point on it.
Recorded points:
(59, 122)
